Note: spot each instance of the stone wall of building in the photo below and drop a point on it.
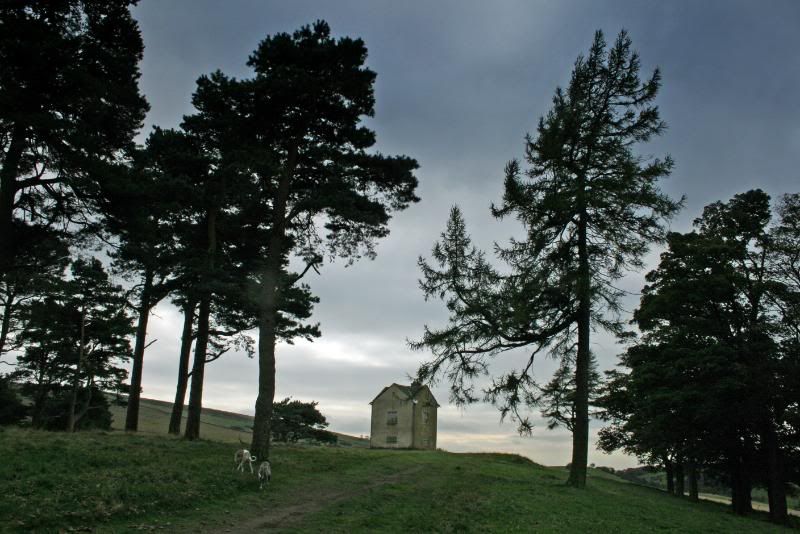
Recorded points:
(384, 432)
(402, 423)
(425, 421)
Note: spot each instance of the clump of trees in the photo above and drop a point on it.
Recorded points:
(71, 106)
(210, 215)
(712, 384)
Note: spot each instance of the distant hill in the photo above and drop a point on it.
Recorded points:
(216, 425)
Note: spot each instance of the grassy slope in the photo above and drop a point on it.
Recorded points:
(117, 483)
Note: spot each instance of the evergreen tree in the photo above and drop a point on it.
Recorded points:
(307, 150)
(293, 420)
(69, 103)
(141, 206)
(74, 340)
(590, 207)
(656, 409)
(211, 232)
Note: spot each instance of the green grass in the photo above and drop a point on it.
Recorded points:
(117, 482)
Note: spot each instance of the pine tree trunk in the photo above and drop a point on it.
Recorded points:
(135, 391)
(260, 445)
(5, 326)
(580, 431)
(694, 494)
(776, 485)
(670, 476)
(8, 191)
(741, 487)
(203, 317)
(41, 393)
(198, 369)
(183, 368)
(679, 480)
(73, 399)
(268, 313)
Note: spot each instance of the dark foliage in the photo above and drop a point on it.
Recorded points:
(318, 191)
(713, 382)
(293, 420)
(69, 105)
(12, 409)
(98, 414)
(75, 338)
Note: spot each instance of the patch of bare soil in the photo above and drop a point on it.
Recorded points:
(310, 501)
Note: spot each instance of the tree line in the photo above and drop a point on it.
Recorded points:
(268, 178)
(712, 383)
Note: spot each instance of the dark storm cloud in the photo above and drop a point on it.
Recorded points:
(459, 84)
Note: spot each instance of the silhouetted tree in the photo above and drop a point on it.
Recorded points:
(69, 103)
(294, 419)
(717, 369)
(590, 207)
(307, 152)
(74, 340)
(141, 207)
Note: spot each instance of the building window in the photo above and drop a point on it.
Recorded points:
(391, 439)
(425, 415)
(391, 418)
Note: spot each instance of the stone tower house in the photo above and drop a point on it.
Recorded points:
(404, 417)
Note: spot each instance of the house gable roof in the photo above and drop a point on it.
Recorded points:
(410, 392)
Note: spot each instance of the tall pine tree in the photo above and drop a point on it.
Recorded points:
(590, 207)
(307, 151)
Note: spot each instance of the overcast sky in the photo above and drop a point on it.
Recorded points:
(459, 85)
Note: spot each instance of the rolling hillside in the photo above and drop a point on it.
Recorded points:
(118, 482)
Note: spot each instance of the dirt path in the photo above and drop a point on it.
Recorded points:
(308, 502)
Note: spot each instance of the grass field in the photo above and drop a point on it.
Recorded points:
(117, 482)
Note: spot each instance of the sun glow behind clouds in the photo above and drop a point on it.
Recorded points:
(360, 353)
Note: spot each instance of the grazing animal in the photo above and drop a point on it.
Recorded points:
(242, 457)
(264, 474)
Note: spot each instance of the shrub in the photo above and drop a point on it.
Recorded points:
(12, 409)
(97, 417)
